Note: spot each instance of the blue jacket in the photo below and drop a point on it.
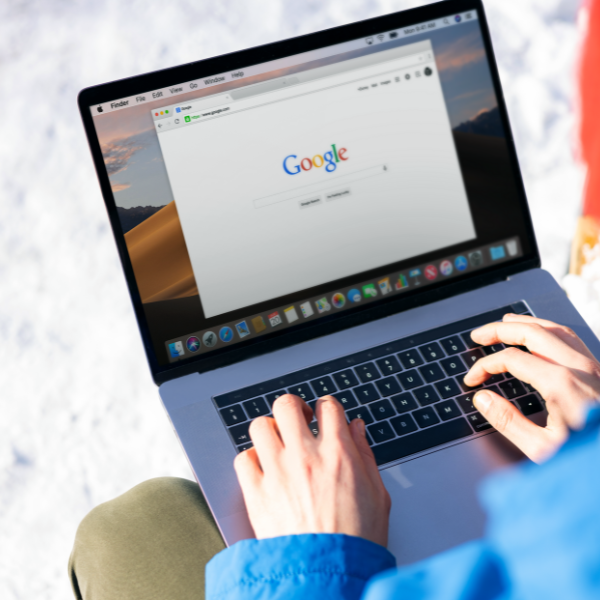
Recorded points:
(542, 543)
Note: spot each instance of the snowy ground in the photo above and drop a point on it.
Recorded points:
(81, 421)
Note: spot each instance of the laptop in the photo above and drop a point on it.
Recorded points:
(330, 214)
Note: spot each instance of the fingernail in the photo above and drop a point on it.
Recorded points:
(482, 401)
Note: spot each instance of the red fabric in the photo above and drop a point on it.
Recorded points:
(590, 111)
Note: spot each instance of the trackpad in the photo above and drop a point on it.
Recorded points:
(435, 504)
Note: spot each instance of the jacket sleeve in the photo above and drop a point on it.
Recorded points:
(469, 572)
(307, 567)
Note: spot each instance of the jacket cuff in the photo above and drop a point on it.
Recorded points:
(300, 566)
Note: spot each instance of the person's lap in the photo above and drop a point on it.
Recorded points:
(153, 542)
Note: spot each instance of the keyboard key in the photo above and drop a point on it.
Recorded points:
(274, 395)
(346, 399)
(382, 410)
(530, 405)
(432, 352)
(495, 389)
(404, 424)
(447, 410)
(381, 432)
(360, 413)
(493, 349)
(478, 423)
(468, 340)
(389, 365)
(494, 379)
(388, 386)
(421, 441)
(303, 391)
(240, 434)
(426, 395)
(233, 414)
(512, 389)
(472, 357)
(432, 372)
(404, 402)
(410, 359)
(256, 408)
(453, 345)
(366, 393)
(345, 379)
(528, 388)
(245, 447)
(410, 380)
(448, 388)
(314, 427)
(426, 417)
(367, 372)
(323, 386)
(466, 403)
(467, 388)
(453, 366)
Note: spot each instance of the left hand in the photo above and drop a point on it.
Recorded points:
(295, 483)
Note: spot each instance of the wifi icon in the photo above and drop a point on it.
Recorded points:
(380, 37)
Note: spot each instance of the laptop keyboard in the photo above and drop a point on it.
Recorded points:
(409, 392)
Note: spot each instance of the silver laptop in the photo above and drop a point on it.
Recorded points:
(331, 214)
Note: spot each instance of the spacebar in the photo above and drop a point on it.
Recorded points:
(423, 440)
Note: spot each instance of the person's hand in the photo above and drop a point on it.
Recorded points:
(560, 367)
(294, 482)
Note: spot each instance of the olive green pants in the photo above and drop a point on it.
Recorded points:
(151, 543)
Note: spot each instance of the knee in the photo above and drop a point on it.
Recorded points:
(127, 515)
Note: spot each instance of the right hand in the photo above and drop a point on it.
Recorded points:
(560, 367)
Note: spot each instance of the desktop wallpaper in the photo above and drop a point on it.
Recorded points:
(148, 213)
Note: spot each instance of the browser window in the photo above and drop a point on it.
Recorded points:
(326, 177)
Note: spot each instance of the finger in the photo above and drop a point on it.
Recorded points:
(249, 473)
(525, 367)
(332, 419)
(536, 338)
(567, 335)
(534, 441)
(267, 441)
(293, 416)
(358, 434)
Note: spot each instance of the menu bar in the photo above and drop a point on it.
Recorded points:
(200, 342)
(240, 75)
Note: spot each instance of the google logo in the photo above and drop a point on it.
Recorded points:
(329, 158)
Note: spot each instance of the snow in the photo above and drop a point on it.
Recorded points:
(81, 420)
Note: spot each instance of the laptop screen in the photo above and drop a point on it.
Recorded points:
(284, 192)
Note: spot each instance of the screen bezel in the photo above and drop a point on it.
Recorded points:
(244, 59)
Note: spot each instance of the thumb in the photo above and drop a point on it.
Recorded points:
(508, 420)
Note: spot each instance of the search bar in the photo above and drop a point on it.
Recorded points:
(319, 188)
